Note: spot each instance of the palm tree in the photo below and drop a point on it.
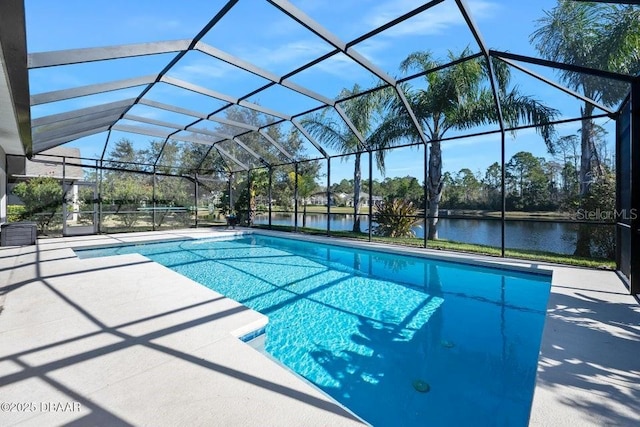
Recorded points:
(456, 97)
(594, 35)
(307, 185)
(362, 111)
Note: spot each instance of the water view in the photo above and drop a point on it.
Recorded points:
(540, 236)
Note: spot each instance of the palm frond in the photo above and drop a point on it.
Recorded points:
(518, 108)
(327, 132)
(421, 61)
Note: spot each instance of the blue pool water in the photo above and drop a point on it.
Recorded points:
(367, 327)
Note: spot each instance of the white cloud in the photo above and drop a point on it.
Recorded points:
(430, 22)
(286, 55)
(202, 68)
(371, 49)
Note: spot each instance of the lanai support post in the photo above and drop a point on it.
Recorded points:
(196, 190)
(634, 191)
(503, 194)
(249, 199)
(100, 183)
(295, 199)
(425, 220)
(329, 196)
(230, 192)
(153, 196)
(269, 194)
(370, 193)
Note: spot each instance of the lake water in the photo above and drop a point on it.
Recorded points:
(541, 236)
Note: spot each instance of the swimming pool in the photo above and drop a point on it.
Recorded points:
(399, 340)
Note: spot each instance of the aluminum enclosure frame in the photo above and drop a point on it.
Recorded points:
(50, 131)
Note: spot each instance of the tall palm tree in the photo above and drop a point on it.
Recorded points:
(456, 97)
(362, 111)
(595, 35)
(307, 185)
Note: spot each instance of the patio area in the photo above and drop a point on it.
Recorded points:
(133, 343)
(124, 341)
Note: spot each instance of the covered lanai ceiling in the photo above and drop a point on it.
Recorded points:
(197, 90)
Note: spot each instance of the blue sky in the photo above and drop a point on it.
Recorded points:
(256, 31)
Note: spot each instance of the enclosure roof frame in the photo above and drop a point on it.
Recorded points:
(49, 131)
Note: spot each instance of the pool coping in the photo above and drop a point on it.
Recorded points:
(605, 392)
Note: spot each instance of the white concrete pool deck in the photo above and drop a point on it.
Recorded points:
(124, 341)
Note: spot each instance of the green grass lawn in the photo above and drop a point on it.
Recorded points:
(447, 245)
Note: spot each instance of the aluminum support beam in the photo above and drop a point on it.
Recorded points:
(247, 66)
(266, 136)
(83, 112)
(562, 66)
(221, 96)
(634, 190)
(329, 197)
(234, 123)
(79, 56)
(157, 134)
(235, 61)
(196, 114)
(395, 22)
(230, 157)
(250, 151)
(351, 126)
(311, 139)
(76, 126)
(311, 25)
(45, 145)
(558, 86)
(176, 127)
(141, 131)
(412, 115)
(71, 123)
(203, 116)
(172, 108)
(198, 89)
(464, 10)
(299, 16)
(496, 99)
(76, 92)
(264, 110)
(221, 13)
(218, 135)
(14, 79)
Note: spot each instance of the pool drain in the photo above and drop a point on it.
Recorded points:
(447, 344)
(421, 386)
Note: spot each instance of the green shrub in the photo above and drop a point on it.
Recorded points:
(395, 218)
(15, 213)
(42, 198)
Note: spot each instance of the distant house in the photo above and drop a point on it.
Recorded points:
(364, 200)
(320, 199)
